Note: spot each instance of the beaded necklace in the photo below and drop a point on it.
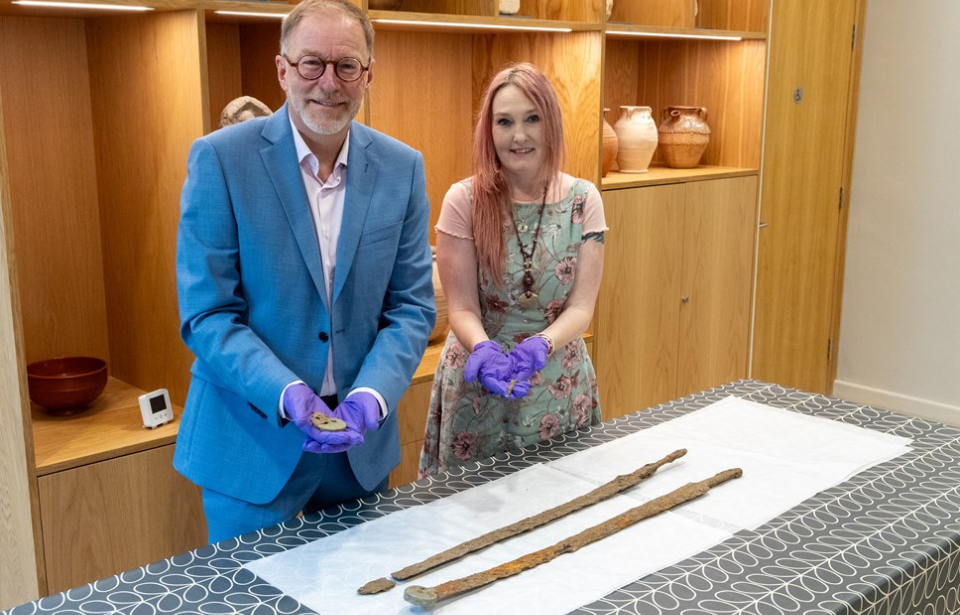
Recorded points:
(528, 298)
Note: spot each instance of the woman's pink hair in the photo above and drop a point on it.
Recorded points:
(491, 196)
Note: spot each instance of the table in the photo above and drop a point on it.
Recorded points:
(886, 541)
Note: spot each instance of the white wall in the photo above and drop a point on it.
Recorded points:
(900, 327)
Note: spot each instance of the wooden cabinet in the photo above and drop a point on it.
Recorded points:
(674, 307)
(103, 518)
(719, 226)
(97, 114)
(638, 311)
(108, 497)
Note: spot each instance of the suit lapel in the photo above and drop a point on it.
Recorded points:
(362, 167)
(280, 160)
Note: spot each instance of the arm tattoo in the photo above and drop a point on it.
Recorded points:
(596, 236)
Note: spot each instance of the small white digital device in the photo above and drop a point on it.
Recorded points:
(155, 408)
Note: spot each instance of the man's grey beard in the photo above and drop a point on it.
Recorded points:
(328, 127)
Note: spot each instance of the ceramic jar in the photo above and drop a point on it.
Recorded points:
(509, 7)
(440, 328)
(684, 136)
(610, 144)
(637, 136)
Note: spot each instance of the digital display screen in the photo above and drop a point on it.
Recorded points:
(157, 404)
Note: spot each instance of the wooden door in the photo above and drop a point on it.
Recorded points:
(637, 314)
(806, 137)
(719, 227)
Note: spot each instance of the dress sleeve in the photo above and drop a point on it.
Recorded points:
(593, 219)
(456, 214)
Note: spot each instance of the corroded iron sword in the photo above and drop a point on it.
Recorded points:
(428, 597)
(603, 492)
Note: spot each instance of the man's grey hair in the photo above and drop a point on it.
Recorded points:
(314, 7)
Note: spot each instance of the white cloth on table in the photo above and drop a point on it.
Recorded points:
(786, 458)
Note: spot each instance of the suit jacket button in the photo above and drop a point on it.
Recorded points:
(323, 336)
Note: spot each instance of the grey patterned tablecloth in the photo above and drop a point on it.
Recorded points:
(886, 541)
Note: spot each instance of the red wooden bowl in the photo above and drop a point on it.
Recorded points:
(66, 385)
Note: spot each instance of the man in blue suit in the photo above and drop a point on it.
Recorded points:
(305, 284)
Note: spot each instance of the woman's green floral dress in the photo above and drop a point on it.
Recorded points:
(465, 422)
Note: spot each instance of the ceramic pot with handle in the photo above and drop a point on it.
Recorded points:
(684, 136)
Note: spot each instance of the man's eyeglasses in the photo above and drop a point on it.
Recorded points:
(312, 68)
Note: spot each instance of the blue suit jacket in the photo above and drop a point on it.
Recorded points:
(253, 307)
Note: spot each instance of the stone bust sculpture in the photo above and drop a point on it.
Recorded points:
(243, 109)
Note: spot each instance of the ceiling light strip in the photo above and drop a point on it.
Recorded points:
(470, 26)
(249, 14)
(83, 5)
(715, 37)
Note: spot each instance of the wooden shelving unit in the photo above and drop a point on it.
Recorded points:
(97, 114)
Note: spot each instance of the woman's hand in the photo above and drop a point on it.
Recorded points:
(494, 369)
(528, 357)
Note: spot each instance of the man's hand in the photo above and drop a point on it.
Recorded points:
(301, 402)
(360, 411)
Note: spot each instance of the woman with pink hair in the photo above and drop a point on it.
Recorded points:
(520, 254)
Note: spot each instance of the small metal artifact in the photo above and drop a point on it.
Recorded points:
(376, 586)
(327, 423)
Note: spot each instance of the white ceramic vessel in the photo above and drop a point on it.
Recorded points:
(637, 137)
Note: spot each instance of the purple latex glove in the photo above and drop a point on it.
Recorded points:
(360, 411)
(488, 364)
(528, 357)
(301, 402)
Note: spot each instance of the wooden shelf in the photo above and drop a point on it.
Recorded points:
(659, 175)
(112, 427)
(662, 32)
(434, 22)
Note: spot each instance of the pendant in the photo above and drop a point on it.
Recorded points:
(522, 227)
(527, 299)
